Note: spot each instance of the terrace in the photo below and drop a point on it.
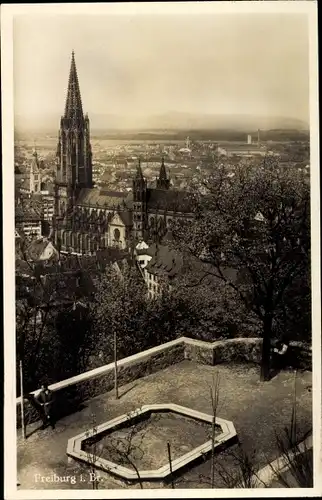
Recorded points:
(256, 409)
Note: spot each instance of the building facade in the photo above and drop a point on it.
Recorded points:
(28, 215)
(88, 218)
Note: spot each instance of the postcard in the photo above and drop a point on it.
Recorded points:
(161, 250)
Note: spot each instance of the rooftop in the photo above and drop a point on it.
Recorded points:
(257, 409)
(37, 246)
(171, 200)
(101, 198)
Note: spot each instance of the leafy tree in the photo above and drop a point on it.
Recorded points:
(118, 307)
(50, 324)
(75, 343)
(206, 309)
(254, 220)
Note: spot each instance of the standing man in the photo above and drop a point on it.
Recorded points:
(45, 399)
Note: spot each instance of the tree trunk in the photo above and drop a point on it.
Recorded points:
(266, 347)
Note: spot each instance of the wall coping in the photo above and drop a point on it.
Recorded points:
(101, 370)
(136, 358)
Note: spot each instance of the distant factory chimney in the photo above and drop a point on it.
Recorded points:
(258, 139)
(249, 139)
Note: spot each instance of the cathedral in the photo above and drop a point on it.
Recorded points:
(86, 218)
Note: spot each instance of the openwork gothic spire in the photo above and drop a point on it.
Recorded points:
(73, 107)
(74, 153)
(139, 173)
(163, 173)
(163, 182)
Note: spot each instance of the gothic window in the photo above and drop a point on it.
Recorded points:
(79, 243)
(64, 166)
(152, 221)
(87, 245)
(83, 243)
(74, 239)
(117, 235)
(161, 223)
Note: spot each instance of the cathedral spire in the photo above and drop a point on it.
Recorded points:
(74, 152)
(139, 173)
(163, 182)
(34, 163)
(163, 173)
(73, 107)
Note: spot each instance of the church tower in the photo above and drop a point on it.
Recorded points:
(34, 177)
(163, 182)
(74, 154)
(139, 203)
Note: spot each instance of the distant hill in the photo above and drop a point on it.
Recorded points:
(168, 122)
(178, 121)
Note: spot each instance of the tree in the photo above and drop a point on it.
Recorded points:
(121, 308)
(254, 220)
(118, 307)
(93, 453)
(51, 323)
(214, 396)
(215, 313)
(125, 446)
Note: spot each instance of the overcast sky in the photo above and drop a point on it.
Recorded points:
(145, 65)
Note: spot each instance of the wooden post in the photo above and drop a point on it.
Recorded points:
(213, 429)
(170, 464)
(115, 367)
(22, 402)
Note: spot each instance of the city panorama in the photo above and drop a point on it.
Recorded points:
(162, 252)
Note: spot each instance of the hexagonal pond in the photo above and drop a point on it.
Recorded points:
(137, 442)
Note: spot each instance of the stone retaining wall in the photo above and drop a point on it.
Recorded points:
(72, 392)
(243, 350)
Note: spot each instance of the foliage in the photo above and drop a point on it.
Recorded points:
(295, 452)
(254, 220)
(251, 236)
(244, 474)
(118, 308)
(93, 454)
(125, 449)
(215, 313)
(51, 324)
